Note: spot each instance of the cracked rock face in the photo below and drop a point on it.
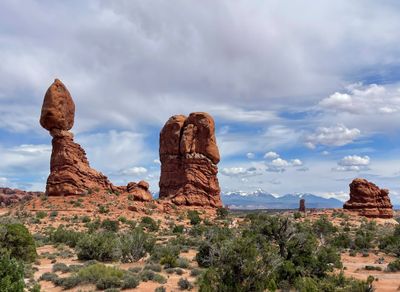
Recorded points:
(189, 157)
(369, 200)
(70, 172)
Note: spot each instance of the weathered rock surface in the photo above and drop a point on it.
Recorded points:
(302, 205)
(58, 110)
(189, 157)
(369, 200)
(11, 196)
(70, 172)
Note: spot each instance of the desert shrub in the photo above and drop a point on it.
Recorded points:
(148, 275)
(251, 273)
(391, 243)
(297, 215)
(165, 254)
(195, 272)
(372, 268)
(11, 274)
(222, 213)
(182, 263)
(85, 219)
(194, 217)
(134, 245)
(153, 267)
(102, 276)
(16, 240)
(323, 227)
(178, 229)
(103, 209)
(53, 214)
(66, 236)
(135, 269)
(130, 282)
(60, 267)
(160, 289)
(98, 246)
(394, 266)
(122, 219)
(149, 223)
(306, 284)
(41, 214)
(110, 225)
(51, 277)
(341, 240)
(363, 239)
(184, 284)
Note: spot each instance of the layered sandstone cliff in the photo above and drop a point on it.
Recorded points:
(189, 156)
(369, 200)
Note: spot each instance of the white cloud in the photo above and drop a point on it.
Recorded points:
(281, 165)
(364, 99)
(296, 162)
(157, 161)
(338, 135)
(250, 155)
(353, 163)
(134, 171)
(239, 171)
(271, 155)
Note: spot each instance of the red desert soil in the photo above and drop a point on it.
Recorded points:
(356, 268)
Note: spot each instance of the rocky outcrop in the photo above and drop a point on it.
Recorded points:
(70, 172)
(369, 200)
(189, 156)
(302, 205)
(12, 196)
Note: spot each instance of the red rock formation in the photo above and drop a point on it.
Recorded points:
(70, 172)
(189, 157)
(369, 200)
(11, 196)
(302, 206)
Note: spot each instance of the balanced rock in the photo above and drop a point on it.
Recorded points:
(189, 156)
(369, 200)
(70, 172)
(58, 110)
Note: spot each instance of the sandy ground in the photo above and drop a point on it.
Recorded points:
(386, 282)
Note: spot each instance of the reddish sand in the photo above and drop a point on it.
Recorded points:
(387, 282)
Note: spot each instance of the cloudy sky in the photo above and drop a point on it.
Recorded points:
(305, 94)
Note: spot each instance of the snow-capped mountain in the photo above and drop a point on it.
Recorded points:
(263, 200)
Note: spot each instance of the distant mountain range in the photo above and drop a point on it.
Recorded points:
(263, 200)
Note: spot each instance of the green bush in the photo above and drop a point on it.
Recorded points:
(110, 225)
(11, 274)
(60, 267)
(130, 282)
(41, 214)
(16, 240)
(178, 229)
(134, 245)
(184, 284)
(394, 266)
(68, 237)
(150, 223)
(222, 213)
(194, 217)
(98, 246)
(102, 276)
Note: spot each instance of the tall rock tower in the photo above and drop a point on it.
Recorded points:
(189, 156)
